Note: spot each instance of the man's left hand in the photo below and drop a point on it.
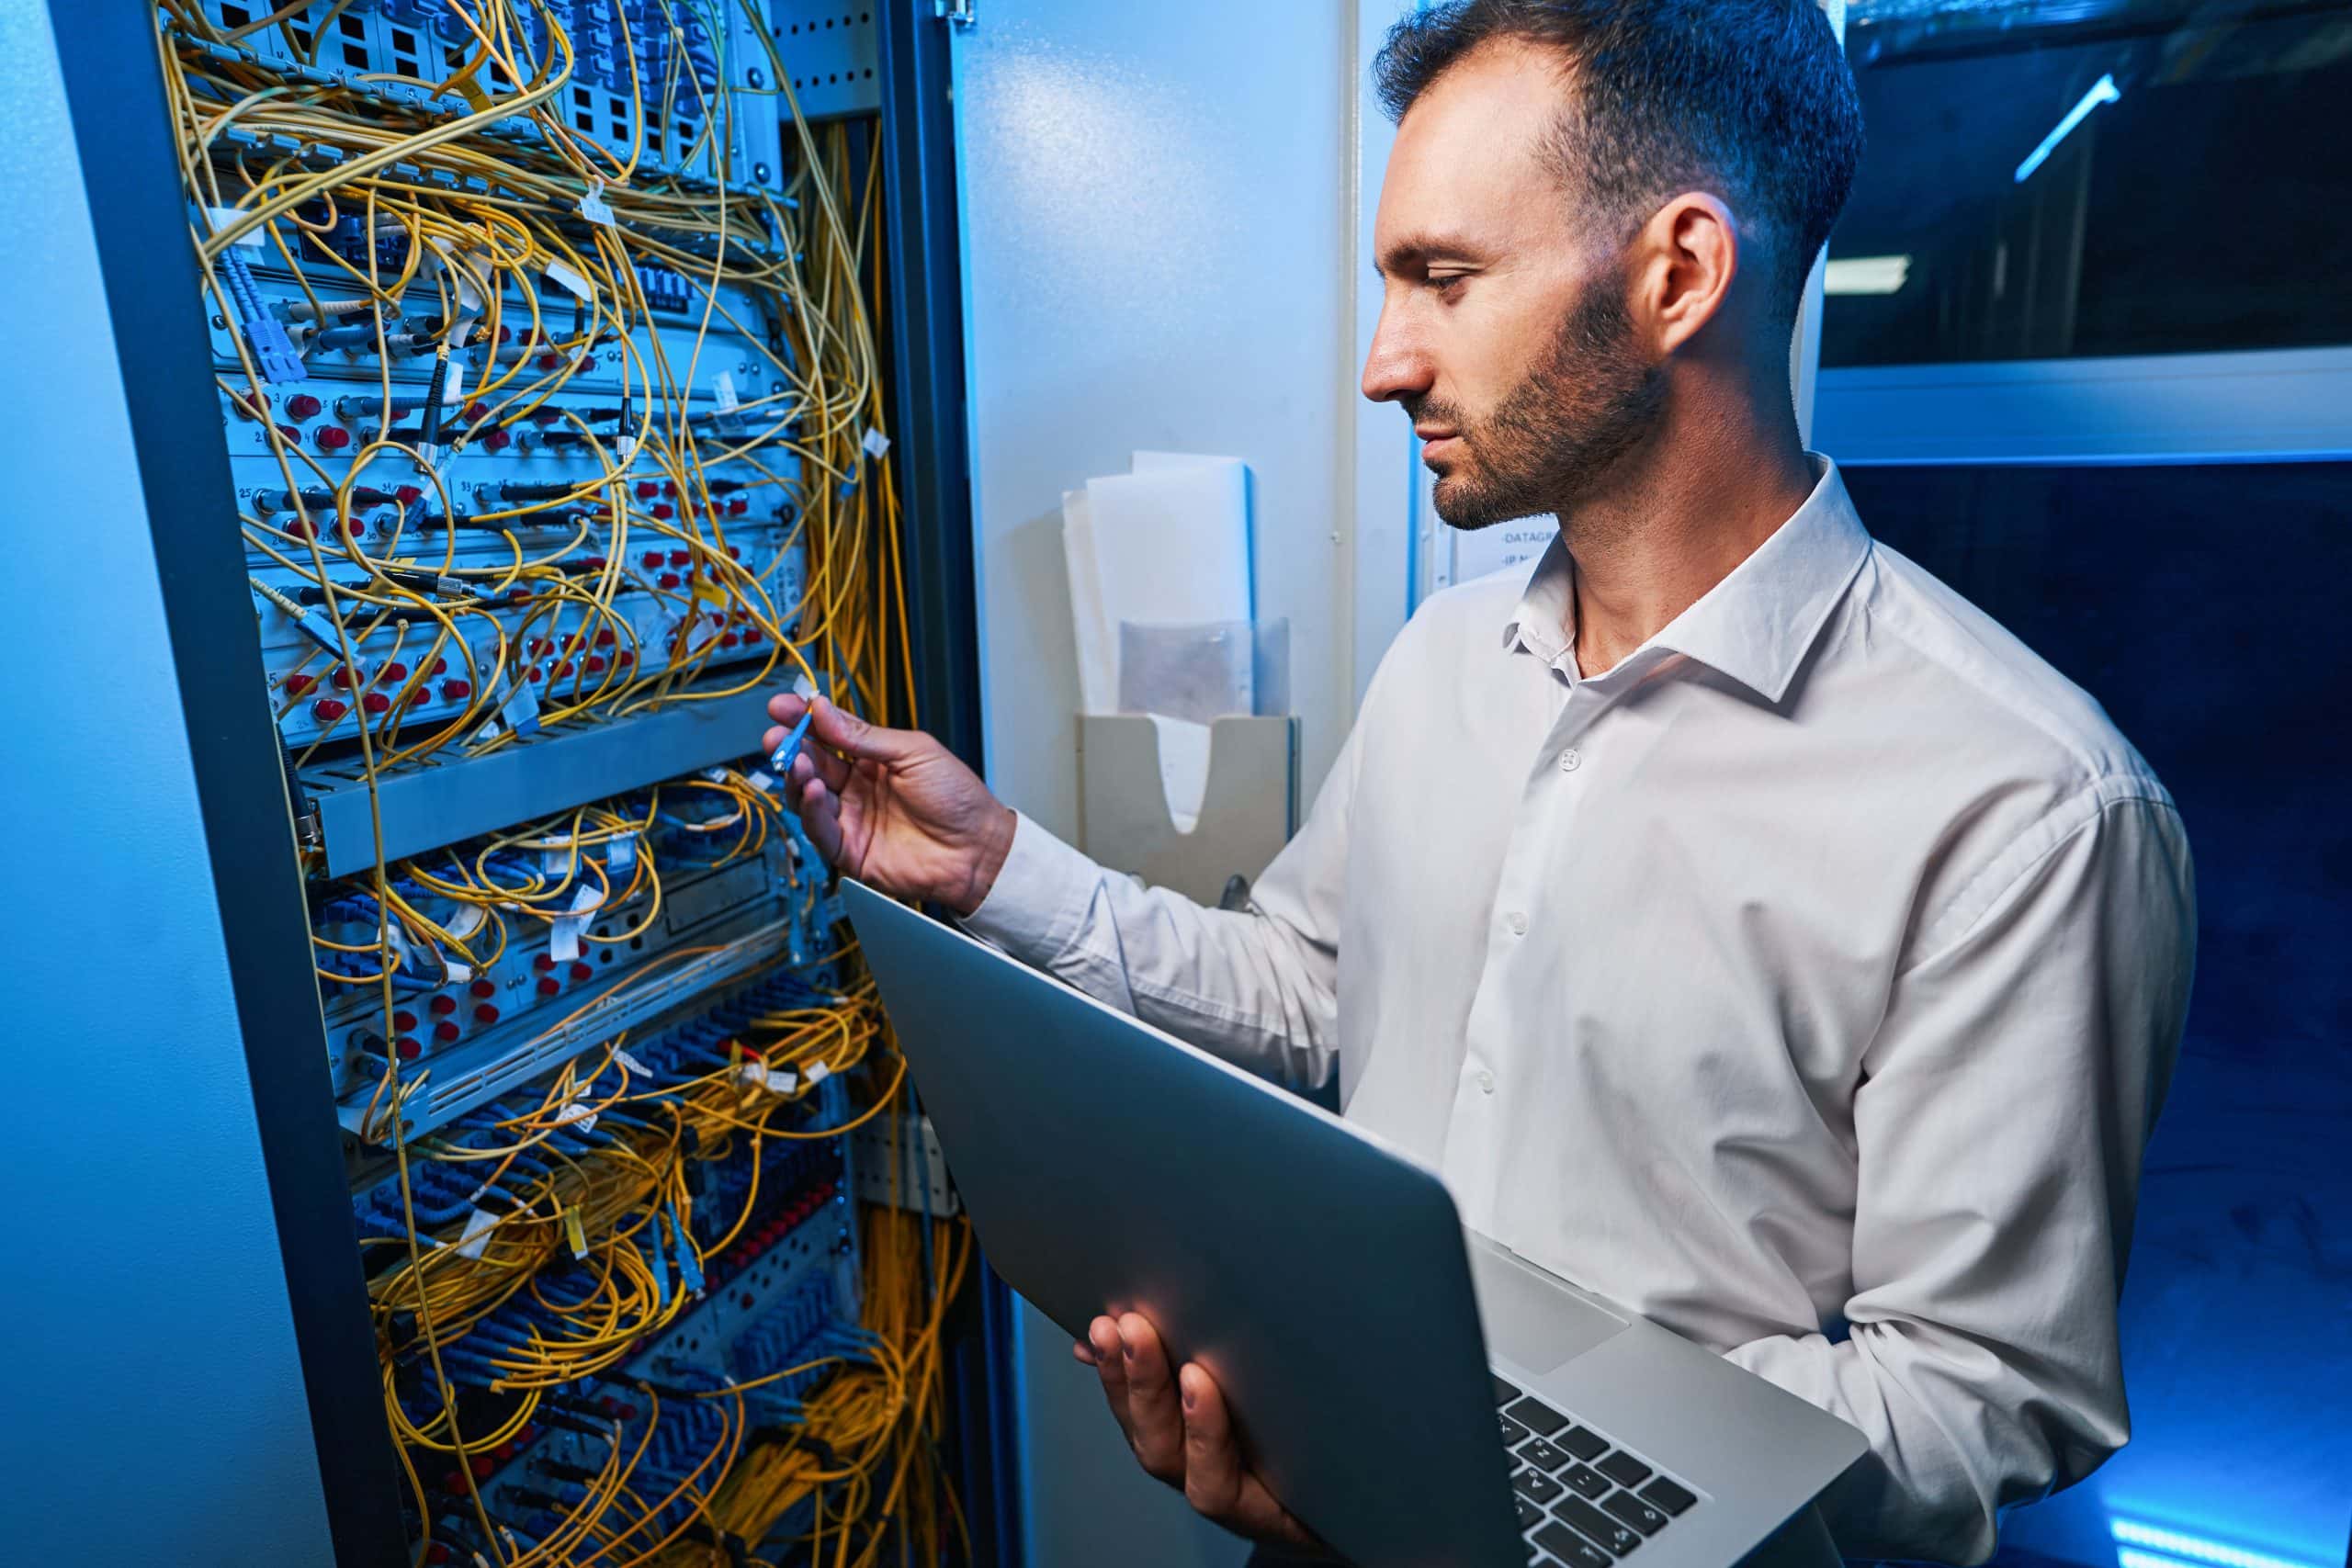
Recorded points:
(1178, 1426)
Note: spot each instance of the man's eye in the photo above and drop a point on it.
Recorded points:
(1444, 282)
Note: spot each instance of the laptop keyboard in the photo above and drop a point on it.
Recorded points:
(1583, 1501)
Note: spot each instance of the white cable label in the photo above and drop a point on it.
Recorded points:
(563, 932)
(620, 853)
(818, 1073)
(575, 1111)
(875, 442)
(571, 282)
(476, 1235)
(223, 216)
(453, 390)
(635, 1067)
(728, 401)
(592, 204)
(521, 708)
(761, 782)
(470, 919)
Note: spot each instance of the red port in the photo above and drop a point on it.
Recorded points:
(444, 1031)
(292, 432)
(549, 986)
(667, 580)
(497, 440)
(718, 618)
(409, 1049)
(581, 971)
(564, 669)
(408, 495)
(544, 964)
(595, 664)
(332, 438)
(519, 595)
(653, 560)
(297, 684)
(680, 558)
(753, 633)
(485, 1013)
(440, 667)
(605, 639)
(551, 361)
(669, 486)
(457, 691)
(506, 335)
(442, 1007)
(536, 645)
(298, 528)
(481, 1465)
(734, 552)
(474, 411)
(646, 490)
(539, 672)
(302, 405)
(395, 672)
(729, 641)
(661, 512)
(339, 678)
(376, 702)
(326, 710)
(737, 507)
(483, 989)
(403, 1022)
(625, 657)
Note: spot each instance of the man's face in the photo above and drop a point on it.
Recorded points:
(1504, 329)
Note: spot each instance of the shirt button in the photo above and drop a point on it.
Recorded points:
(1485, 1081)
(1517, 921)
(1570, 762)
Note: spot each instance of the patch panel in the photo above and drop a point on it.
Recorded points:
(641, 68)
(543, 352)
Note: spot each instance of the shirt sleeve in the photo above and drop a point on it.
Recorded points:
(2003, 1111)
(1256, 987)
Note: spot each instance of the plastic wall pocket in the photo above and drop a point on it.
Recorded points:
(1248, 813)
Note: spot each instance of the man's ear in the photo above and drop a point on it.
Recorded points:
(1687, 254)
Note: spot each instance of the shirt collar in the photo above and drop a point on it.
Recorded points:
(1756, 625)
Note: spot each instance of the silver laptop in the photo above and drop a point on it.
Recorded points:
(1417, 1395)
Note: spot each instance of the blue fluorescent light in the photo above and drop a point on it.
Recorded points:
(2103, 91)
(2185, 1549)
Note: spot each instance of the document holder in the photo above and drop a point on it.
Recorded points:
(1248, 813)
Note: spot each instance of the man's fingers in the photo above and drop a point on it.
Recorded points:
(847, 732)
(1111, 1368)
(1212, 1461)
(1156, 1424)
(835, 770)
(1084, 1352)
(1215, 1482)
(820, 814)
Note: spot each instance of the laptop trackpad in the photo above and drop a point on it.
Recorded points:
(1530, 1317)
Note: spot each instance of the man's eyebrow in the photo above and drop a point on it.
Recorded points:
(1412, 250)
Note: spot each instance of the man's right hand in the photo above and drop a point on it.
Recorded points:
(893, 808)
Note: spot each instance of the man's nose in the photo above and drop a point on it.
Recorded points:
(1396, 368)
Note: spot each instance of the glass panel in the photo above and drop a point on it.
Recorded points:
(2204, 608)
(2084, 177)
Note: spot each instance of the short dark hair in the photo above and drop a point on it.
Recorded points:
(1752, 100)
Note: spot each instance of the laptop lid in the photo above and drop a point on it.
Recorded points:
(1319, 1277)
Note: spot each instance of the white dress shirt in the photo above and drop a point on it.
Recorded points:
(1807, 983)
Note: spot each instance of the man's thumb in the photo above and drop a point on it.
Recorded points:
(852, 735)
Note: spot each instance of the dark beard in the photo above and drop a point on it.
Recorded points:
(1554, 437)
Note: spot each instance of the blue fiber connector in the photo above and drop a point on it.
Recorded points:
(780, 761)
(273, 350)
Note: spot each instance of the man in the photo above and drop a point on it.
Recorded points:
(1746, 928)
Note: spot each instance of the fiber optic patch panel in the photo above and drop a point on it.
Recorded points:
(640, 67)
(543, 346)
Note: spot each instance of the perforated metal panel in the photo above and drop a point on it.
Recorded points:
(834, 55)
